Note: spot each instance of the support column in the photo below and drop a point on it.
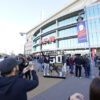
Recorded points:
(57, 35)
(40, 39)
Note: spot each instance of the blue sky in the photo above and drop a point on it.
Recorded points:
(21, 16)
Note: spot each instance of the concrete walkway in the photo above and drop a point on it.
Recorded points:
(44, 84)
(65, 88)
(62, 90)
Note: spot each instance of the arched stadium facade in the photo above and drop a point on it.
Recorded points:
(59, 32)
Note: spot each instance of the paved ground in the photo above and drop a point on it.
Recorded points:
(44, 84)
(65, 88)
(57, 89)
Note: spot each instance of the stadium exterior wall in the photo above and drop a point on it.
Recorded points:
(59, 32)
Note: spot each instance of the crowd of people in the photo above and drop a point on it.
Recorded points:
(18, 76)
(69, 65)
(13, 84)
(76, 63)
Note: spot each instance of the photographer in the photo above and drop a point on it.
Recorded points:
(12, 86)
(24, 63)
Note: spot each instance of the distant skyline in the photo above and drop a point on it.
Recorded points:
(20, 16)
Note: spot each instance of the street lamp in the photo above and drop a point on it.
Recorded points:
(79, 20)
(87, 30)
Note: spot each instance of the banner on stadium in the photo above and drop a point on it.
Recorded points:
(81, 29)
(93, 53)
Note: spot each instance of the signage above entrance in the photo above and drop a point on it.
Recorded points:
(46, 40)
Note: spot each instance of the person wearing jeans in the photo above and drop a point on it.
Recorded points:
(46, 64)
(40, 61)
(71, 62)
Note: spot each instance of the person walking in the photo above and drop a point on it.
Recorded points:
(78, 66)
(71, 63)
(87, 66)
(46, 64)
(67, 65)
(40, 61)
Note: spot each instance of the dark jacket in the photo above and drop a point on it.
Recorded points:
(87, 62)
(63, 59)
(67, 62)
(46, 60)
(71, 62)
(22, 65)
(16, 88)
(78, 61)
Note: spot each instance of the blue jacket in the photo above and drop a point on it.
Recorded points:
(16, 88)
(40, 60)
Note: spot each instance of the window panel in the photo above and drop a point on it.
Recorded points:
(95, 10)
(68, 20)
(49, 28)
(98, 38)
(68, 32)
(97, 24)
(98, 9)
(95, 39)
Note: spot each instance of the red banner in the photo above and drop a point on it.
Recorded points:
(93, 53)
(52, 38)
(45, 40)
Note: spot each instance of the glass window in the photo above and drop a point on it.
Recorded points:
(95, 39)
(75, 31)
(68, 20)
(71, 43)
(91, 11)
(93, 25)
(95, 9)
(97, 24)
(91, 39)
(67, 32)
(98, 38)
(34, 48)
(47, 36)
(85, 44)
(87, 12)
(98, 9)
(75, 41)
(38, 48)
(49, 28)
(89, 26)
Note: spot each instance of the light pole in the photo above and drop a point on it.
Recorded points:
(80, 19)
(90, 57)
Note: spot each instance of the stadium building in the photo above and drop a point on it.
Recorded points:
(59, 32)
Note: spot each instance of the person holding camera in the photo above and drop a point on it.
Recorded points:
(13, 86)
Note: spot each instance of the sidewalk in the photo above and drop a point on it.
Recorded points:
(62, 90)
(44, 84)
